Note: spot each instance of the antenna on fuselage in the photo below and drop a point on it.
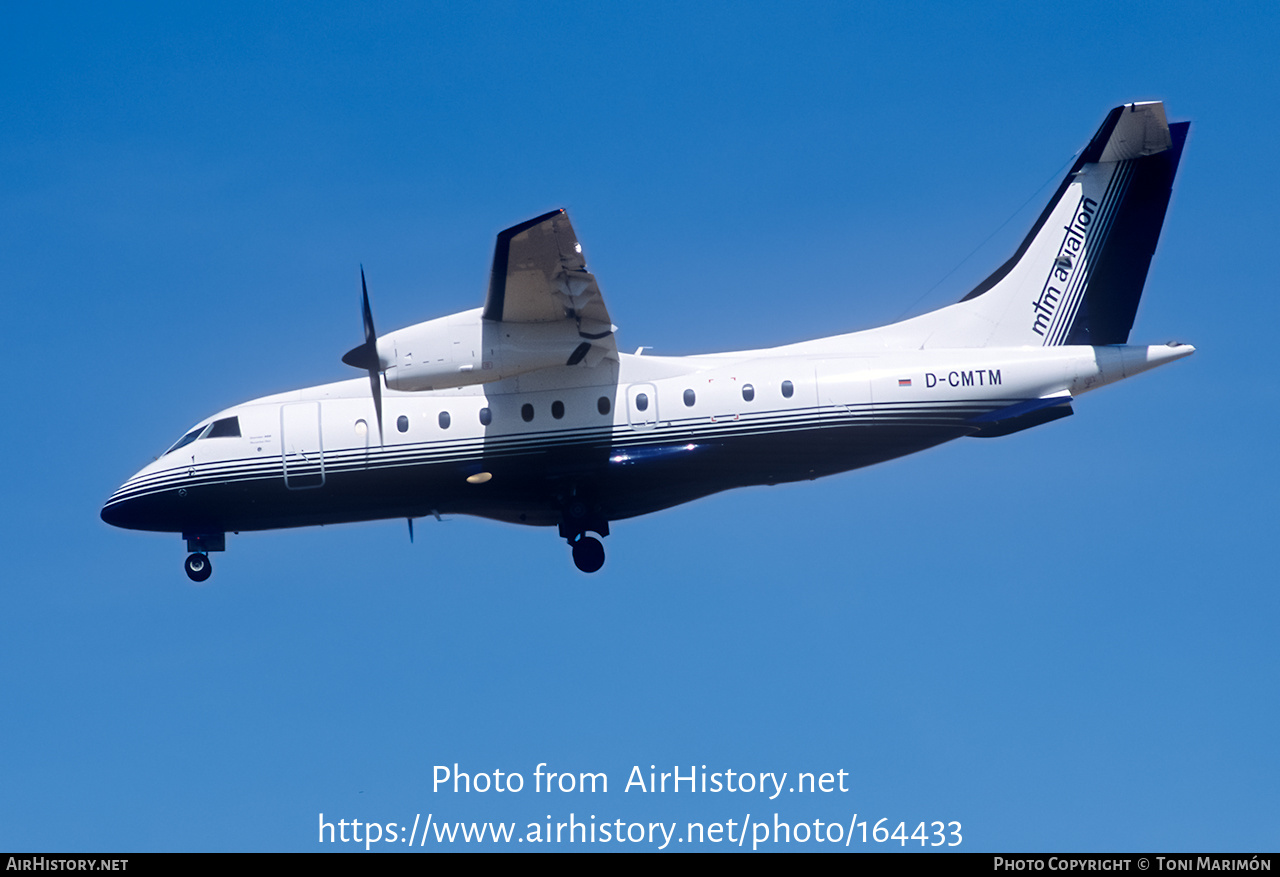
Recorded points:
(366, 356)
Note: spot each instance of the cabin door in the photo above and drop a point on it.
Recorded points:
(642, 406)
(301, 446)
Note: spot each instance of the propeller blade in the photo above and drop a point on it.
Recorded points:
(375, 384)
(366, 355)
(370, 336)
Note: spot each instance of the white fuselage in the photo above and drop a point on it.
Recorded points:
(656, 431)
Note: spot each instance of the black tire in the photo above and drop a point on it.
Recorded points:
(588, 554)
(198, 567)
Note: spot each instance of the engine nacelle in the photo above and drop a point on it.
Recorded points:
(464, 349)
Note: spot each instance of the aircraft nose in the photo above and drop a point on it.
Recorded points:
(132, 509)
(115, 511)
(114, 514)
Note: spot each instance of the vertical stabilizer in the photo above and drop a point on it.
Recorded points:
(1078, 275)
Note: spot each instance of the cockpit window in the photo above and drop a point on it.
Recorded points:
(186, 439)
(227, 427)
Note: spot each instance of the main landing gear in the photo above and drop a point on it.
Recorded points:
(580, 516)
(588, 553)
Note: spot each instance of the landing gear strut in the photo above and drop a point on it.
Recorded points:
(198, 567)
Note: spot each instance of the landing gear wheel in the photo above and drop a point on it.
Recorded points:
(588, 554)
(199, 568)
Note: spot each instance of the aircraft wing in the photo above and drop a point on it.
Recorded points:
(540, 276)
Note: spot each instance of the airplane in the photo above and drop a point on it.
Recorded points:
(525, 411)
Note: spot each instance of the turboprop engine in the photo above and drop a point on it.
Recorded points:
(543, 310)
(465, 349)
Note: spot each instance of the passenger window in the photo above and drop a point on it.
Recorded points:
(689, 398)
(526, 412)
(486, 417)
(402, 423)
(602, 405)
(642, 402)
(557, 409)
(787, 389)
(748, 392)
(444, 420)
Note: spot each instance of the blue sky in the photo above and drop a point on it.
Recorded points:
(1064, 640)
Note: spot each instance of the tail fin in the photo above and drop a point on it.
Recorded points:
(1078, 275)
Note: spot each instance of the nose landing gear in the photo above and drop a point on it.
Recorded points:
(198, 567)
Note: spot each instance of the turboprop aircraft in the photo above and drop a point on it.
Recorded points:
(525, 411)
